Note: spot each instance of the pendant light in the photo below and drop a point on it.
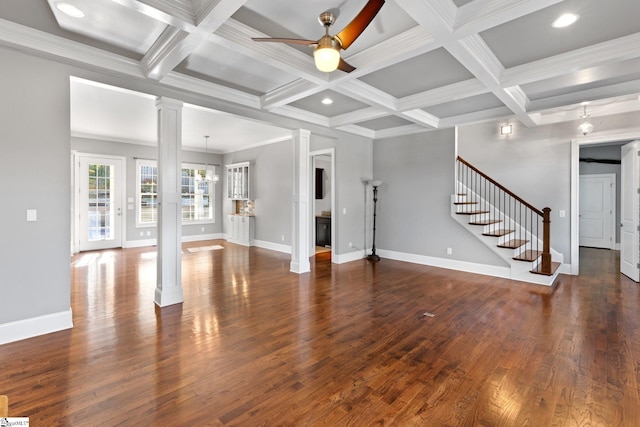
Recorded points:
(585, 127)
(209, 175)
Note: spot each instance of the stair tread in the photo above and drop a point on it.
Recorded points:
(465, 203)
(477, 212)
(554, 268)
(513, 243)
(498, 232)
(485, 222)
(528, 255)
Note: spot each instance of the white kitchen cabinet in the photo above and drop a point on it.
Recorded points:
(241, 229)
(239, 181)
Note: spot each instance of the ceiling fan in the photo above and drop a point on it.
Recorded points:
(327, 48)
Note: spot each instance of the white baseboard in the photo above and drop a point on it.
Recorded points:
(451, 264)
(348, 257)
(139, 243)
(272, 246)
(154, 242)
(200, 237)
(35, 326)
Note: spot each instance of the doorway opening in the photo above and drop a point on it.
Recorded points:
(322, 230)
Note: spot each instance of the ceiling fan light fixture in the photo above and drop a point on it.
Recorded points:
(327, 54)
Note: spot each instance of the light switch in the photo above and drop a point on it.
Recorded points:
(32, 215)
(561, 213)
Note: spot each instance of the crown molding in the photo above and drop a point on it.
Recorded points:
(358, 130)
(399, 131)
(620, 49)
(28, 39)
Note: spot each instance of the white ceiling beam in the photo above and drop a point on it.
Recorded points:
(618, 107)
(475, 55)
(475, 117)
(603, 92)
(299, 114)
(370, 113)
(168, 52)
(358, 130)
(620, 49)
(452, 92)
(28, 39)
(480, 15)
(289, 93)
(368, 94)
(421, 117)
(202, 87)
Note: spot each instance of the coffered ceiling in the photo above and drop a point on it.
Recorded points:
(420, 64)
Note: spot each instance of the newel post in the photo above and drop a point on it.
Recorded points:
(546, 241)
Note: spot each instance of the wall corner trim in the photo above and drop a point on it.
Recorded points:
(35, 326)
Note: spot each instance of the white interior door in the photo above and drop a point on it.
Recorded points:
(629, 241)
(100, 202)
(597, 204)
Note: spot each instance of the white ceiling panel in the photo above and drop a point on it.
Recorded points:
(471, 104)
(384, 123)
(341, 104)
(531, 37)
(110, 22)
(222, 65)
(418, 74)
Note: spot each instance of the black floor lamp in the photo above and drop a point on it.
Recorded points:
(375, 184)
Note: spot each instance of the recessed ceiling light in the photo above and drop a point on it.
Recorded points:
(70, 10)
(565, 20)
(327, 101)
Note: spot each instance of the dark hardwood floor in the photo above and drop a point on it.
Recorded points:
(254, 344)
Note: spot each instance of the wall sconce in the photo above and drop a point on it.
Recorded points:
(506, 130)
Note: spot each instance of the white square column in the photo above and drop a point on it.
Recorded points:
(169, 279)
(300, 236)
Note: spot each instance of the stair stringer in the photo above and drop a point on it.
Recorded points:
(519, 270)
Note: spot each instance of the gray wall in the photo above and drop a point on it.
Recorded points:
(133, 151)
(535, 163)
(353, 162)
(272, 167)
(34, 174)
(414, 200)
(609, 152)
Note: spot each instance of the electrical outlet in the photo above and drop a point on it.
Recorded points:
(350, 244)
(201, 228)
(283, 237)
(449, 251)
(141, 233)
(344, 211)
(148, 233)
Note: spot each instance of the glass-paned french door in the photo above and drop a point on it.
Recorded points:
(100, 202)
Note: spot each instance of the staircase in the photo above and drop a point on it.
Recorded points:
(515, 230)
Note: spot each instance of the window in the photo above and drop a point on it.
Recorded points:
(198, 194)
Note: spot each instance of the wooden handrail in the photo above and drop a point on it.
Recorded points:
(503, 188)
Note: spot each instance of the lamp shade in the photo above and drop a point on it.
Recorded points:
(326, 58)
(375, 182)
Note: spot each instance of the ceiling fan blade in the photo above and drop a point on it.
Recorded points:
(344, 66)
(290, 41)
(350, 33)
